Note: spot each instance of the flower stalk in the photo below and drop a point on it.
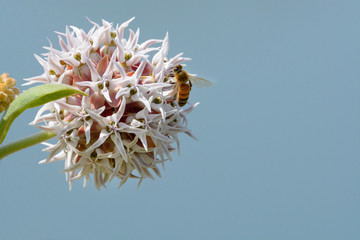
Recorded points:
(26, 142)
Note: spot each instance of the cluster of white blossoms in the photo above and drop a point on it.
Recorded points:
(128, 122)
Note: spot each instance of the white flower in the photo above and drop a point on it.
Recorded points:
(129, 121)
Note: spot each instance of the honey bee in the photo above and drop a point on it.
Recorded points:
(184, 83)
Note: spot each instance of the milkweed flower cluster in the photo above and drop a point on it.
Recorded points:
(8, 91)
(129, 121)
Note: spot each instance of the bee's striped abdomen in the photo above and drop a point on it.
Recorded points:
(183, 93)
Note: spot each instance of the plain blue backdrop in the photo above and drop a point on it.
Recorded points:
(278, 154)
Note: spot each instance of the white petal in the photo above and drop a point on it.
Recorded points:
(105, 93)
(87, 127)
(120, 111)
(103, 136)
(121, 70)
(97, 117)
(116, 138)
(122, 27)
(118, 163)
(94, 73)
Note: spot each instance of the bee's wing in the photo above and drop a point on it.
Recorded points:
(200, 82)
(175, 90)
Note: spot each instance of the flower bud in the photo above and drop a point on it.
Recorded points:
(8, 91)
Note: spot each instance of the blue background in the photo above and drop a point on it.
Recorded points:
(279, 132)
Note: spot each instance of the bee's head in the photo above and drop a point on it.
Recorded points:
(177, 68)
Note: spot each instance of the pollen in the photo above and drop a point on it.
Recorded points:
(8, 91)
(128, 56)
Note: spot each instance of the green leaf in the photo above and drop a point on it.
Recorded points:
(33, 97)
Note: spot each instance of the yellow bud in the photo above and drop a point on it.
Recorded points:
(3, 96)
(16, 91)
(8, 91)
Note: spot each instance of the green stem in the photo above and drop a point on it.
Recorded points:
(24, 143)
